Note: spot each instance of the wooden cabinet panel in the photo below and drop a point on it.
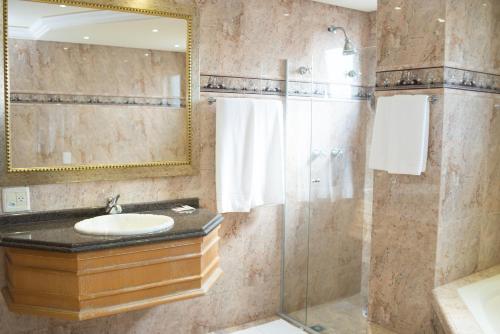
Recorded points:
(100, 283)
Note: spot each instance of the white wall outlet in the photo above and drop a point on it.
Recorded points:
(67, 158)
(16, 199)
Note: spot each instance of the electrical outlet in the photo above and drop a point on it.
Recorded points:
(16, 199)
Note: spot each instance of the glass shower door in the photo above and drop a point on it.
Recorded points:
(341, 193)
(294, 283)
(328, 203)
(336, 220)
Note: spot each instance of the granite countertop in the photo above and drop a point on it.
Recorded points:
(54, 230)
(450, 308)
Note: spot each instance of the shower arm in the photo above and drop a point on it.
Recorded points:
(334, 30)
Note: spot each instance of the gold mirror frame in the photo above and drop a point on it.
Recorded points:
(161, 8)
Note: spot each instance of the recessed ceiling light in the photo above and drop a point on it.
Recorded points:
(155, 30)
(176, 46)
(397, 8)
(62, 6)
(286, 14)
(86, 37)
(146, 54)
(485, 4)
(440, 20)
(65, 48)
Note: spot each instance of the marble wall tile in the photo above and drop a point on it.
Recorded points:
(244, 39)
(400, 298)
(412, 36)
(489, 241)
(230, 29)
(404, 235)
(472, 29)
(469, 226)
(439, 226)
(458, 248)
(452, 198)
(493, 159)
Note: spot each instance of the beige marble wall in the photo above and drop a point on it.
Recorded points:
(469, 224)
(231, 28)
(241, 38)
(406, 208)
(412, 36)
(472, 30)
(404, 235)
(443, 225)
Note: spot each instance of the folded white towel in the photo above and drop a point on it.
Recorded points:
(401, 134)
(249, 153)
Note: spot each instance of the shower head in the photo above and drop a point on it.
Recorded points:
(349, 48)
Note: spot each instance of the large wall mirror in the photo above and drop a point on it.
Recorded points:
(93, 86)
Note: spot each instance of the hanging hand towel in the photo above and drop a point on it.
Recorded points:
(249, 154)
(401, 134)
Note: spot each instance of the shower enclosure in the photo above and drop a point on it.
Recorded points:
(328, 191)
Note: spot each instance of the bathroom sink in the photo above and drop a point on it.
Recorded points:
(125, 224)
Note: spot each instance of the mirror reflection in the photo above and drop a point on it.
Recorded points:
(95, 87)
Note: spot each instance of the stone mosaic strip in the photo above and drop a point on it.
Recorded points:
(242, 85)
(438, 77)
(40, 98)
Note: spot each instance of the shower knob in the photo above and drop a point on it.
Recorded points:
(316, 181)
(303, 70)
(353, 74)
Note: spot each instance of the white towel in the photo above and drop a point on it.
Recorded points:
(401, 134)
(249, 154)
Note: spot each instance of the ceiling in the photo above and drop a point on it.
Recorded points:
(364, 5)
(51, 22)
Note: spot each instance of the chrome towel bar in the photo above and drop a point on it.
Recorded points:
(432, 99)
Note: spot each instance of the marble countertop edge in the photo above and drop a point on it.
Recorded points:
(54, 231)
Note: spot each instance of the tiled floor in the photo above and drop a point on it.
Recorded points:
(343, 316)
(340, 317)
(273, 327)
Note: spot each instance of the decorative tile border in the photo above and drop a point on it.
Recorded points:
(438, 77)
(38, 98)
(243, 85)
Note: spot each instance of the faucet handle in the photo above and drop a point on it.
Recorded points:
(112, 207)
(113, 199)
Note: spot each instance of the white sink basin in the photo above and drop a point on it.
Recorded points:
(125, 224)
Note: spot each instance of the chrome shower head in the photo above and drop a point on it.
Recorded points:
(349, 48)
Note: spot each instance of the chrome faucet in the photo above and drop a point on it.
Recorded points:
(112, 206)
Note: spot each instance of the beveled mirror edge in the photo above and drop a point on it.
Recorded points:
(109, 172)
